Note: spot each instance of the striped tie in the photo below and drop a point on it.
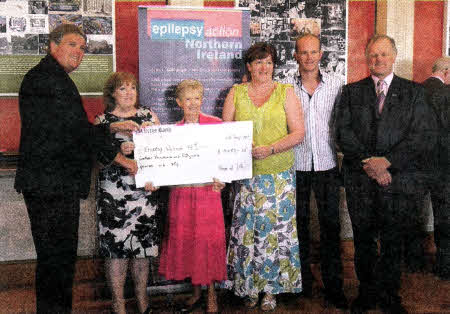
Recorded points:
(380, 95)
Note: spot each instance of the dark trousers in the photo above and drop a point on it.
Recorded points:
(439, 189)
(440, 194)
(379, 215)
(325, 185)
(414, 240)
(54, 225)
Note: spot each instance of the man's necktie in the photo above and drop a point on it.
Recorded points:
(380, 95)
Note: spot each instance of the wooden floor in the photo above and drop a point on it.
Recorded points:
(421, 292)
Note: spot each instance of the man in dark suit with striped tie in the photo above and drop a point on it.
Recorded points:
(385, 130)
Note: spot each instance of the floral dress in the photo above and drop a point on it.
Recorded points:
(127, 216)
(263, 253)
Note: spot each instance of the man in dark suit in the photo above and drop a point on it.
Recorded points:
(437, 94)
(384, 130)
(57, 144)
(440, 76)
(414, 255)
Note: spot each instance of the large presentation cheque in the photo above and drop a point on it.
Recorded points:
(193, 153)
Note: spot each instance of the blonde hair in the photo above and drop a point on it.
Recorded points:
(188, 85)
(307, 34)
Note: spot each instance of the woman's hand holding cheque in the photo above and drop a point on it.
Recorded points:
(217, 185)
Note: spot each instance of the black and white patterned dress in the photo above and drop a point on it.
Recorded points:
(127, 216)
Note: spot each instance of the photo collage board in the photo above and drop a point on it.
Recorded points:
(280, 22)
(26, 24)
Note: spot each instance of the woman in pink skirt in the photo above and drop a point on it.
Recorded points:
(194, 246)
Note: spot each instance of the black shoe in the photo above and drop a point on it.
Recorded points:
(444, 276)
(416, 267)
(337, 300)
(394, 308)
(307, 290)
(392, 304)
(148, 310)
(443, 273)
(362, 304)
(306, 293)
(189, 308)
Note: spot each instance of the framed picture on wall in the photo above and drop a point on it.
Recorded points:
(281, 21)
(24, 30)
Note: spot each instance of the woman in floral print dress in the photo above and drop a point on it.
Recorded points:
(127, 219)
(263, 253)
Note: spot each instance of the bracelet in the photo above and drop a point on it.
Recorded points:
(273, 150)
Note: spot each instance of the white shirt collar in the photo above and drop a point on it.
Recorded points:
(323, 77)
(387, 80)
(438, 77)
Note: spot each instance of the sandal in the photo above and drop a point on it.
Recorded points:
(250, 301)
(148, 310)
(187, 308)
(268, 303)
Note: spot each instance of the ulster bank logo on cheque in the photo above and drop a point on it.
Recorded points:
(176, 29)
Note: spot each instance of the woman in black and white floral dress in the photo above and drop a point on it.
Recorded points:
(127, 216)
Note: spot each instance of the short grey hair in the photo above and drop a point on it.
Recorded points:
(186, 85)
(378, 37)
(441, 64)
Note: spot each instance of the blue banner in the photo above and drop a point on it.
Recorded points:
(185, 43)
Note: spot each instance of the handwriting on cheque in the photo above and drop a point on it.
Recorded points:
(187, 154)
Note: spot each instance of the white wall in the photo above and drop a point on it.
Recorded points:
(16, 242)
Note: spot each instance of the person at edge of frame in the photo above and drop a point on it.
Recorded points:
(57, 143)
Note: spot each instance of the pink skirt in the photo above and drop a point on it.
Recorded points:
(194, 244)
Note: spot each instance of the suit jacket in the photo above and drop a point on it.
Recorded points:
(57, 141)
(431, 85)
(440, 103)
(436, 94)
(403, 133)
